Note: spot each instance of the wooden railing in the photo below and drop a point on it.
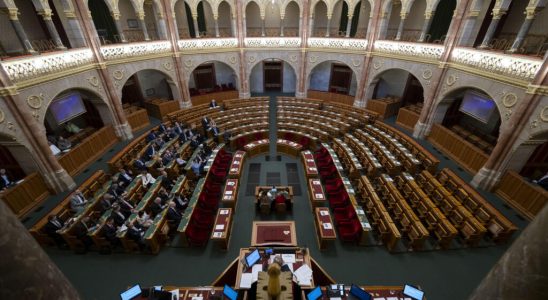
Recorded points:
(160, 108)
(219, 97)
(26, 195)
(137, 118)
(465, 154)
(88, 151)
(407, 118)
(523, 196)
(385, 107)
(331, 97)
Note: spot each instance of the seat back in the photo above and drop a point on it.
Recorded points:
(281, 207)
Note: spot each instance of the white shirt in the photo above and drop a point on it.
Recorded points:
(147, 179)
(54, 149)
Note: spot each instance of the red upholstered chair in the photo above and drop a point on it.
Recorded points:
(328, 172)
(335, 187)
(197, 236)
(340, 200)
(305, 142)
(349, 231)
(344, 214)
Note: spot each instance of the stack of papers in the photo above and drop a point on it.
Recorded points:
(304, 275)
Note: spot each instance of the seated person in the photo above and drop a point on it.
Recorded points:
(196, 167)
(542, 181)
(150, 152)
(213, 103)
(63, 144)
(109, 232)
(226, 136)
(125, 207)
(117, 215)
(106, 202)
(136, 234)
(139, 164)
(52, 228)
(125, 176)
(181, 202)
(72, 128)
(159, 142)
(54, 149)
(115, 190)
(163, 194)
(274, 190)
(151, 136)
(172, 214)
(81, 230)
(78, 202)
(146, 179)
(143, 219)
(156, 207)
(5, 181)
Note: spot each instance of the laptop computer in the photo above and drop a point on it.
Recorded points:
(315, 294)
(357, 293)
(413, 292)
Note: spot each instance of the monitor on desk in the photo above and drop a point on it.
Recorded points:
(413, 292)
(252, 258)
(358, 293)
(230, 293)
(131, 293)
(315, 294)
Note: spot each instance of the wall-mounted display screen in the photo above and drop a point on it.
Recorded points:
(67, 108)
(477, 106)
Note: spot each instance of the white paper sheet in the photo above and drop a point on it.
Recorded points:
(246, 280)
(289, 258)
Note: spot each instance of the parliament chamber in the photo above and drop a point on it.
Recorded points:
(296, 149)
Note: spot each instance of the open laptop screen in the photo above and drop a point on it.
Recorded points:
(230, 293)
(252, 258)
(413, 292)
(131, 293)
(359, 293)
(315, 294)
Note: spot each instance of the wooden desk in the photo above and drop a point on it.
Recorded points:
(160, 108)
(309, 164)
(316, 193)
(157, 233)
(288, 147)
(222, 227)
(279, 188)
(302, 256)
(257, 147)
(274, 233)
(230, 193)
(325, 229)
(236, 165)
(26, 195)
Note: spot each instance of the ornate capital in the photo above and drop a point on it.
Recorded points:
(530, 13)
(473, 14)
(70, 14)
(498, 13)
(13, 13)
(115, 15)
(46, 14)
(429, 14)
(141, 15)
(403, 15)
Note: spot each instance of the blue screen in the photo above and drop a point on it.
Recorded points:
(314, 294)
(230, 293)
(252, 258)
(67, 108)
(133, 292)
(477, 106)
(359, 292)
(413, 292)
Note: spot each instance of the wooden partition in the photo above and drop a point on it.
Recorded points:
(83, 154)
(160, 108)
(523, 196)
(465, 154)
(137, 118)
(26, 195)
(407, 118)
(331, 97)
(385, 107)
(219, 97)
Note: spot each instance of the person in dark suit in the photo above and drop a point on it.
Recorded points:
(136, 234)
(194, 143)
(213, 103)
(5, 181)
(163, 194)
(542, 181)
(125, 207)
(52, 227)
(106, 202)
(125, 176)
(159, 143)
(181, 202)
(109, 232)
(149, 153)
(117, 215)
(156, 207)
(115, 190)
(162, 128)
(81, 229)
(172, 214)
(205, 124)
(151, 136)
(139, 164)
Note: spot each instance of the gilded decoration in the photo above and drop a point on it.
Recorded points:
(356, 62)
(426, 74)
(313, 59)
(293, 58)
(337, 43)
(251, 59)
(118, 74)
(451, 80)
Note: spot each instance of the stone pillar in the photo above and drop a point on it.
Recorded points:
(76, 36)
(216, 19)
(282, 26)
(142, 23)
(175, 28)
(426, 25)
(349, 25)
(161, 21)
(369, 24)
(304, 35)
(328, 25)
(196, 28)
(383, 26)
(522, 272)
(466, 38)
(400, 27)
(117, 23)
(263, 25)
(497, 14)
(524, 29)
(19, 31)
(28, 272)
(234, 26)
(46, 16)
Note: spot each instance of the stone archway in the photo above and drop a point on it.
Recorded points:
(256, 76)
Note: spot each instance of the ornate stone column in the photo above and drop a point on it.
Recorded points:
(76, 36)
(46, 16)
(28, 272)
(497, 14)
(522, 272)
(403, 16)
(282, 25)
(263, 25)
(304, 34)
(244, 84)
(328, 25)
(161, 21)
(121, 126)
(184, 102)
(196, 28)
(234, 26)
(175, 29)
(524, 29)
(310, 26)
(55, 176)
(142, 23)
(426, 25)
(116, 17)
(466, 38)
(369, 24)
(19, 31)
(349, 25)
(216, 19)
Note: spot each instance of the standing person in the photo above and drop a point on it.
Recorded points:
(5, 181)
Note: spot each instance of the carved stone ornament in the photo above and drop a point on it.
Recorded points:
(35, 101)
(426, 74)
(508, 114)
(451, 79)
(377, 64)
(544, 114)
(251, 59)
(188, 62)
(94, 81)
(293, 58)
(168, 66)
(118, 74)
(356, 62)
(313, 58)
(2, 116)
(232, 60)
(509, 99)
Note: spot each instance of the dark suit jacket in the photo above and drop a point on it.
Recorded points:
(105, 204)
(162, 128)
(151, 137)
(155, 208)
(125, 180)
(174, 215)
(139, 165)
(149, 152)
(119, 220)
(134, 234)
(50, 228)
(109, 232)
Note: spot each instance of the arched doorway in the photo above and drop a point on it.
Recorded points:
(441, 21)
(103, 21)
(414, 21)
(320, 20)
(147, 86)
(253, 20)
(15, 158)
(334, 77)
(212, 76)
(291, 20)
(530, 159)
(272, 75)
(225, 20)
(473, 115)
